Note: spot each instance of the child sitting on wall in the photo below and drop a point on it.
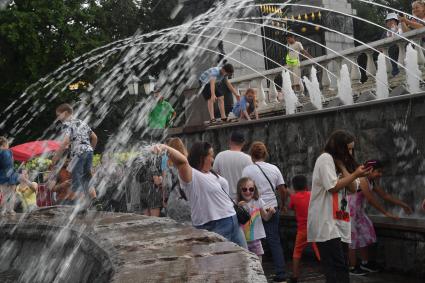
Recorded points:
(245, 106)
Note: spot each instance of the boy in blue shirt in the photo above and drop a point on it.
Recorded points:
(208, 80)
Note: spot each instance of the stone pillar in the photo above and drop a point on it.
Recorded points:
(387, 60)
(355, 74)
(370, 68)
(401, 56)
(272, 90)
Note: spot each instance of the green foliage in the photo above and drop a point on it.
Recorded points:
(39, 164)
(38, 36)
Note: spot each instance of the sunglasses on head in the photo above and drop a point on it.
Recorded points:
(250, 189)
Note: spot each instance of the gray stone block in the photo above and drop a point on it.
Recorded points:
(333, 102)
(307, 107)
(400, 90)
(366, 96)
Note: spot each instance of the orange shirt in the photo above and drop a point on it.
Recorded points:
(63, 190)
(299, 202)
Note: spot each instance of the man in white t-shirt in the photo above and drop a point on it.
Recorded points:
(230, 163)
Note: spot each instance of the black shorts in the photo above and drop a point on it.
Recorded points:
(206, 91)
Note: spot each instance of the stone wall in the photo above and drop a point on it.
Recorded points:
(392, 130)
(400, 246)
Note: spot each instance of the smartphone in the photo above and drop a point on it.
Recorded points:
(370, 163)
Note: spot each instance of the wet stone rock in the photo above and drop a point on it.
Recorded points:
(52, 245)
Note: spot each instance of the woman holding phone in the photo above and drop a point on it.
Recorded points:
(335, 174)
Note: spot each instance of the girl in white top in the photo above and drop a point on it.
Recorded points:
(249, 198)
(328, 222)
(207, 192)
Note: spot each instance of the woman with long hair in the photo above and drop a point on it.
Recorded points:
(335, 175)
(207, 192)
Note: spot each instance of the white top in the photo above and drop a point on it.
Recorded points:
(230, 164)
(207, 199)
(323, 222)
(254, 229)
(273, 173)
(295, 49)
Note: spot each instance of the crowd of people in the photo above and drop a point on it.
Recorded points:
(195, 186)
(332, 216)
(71, 170)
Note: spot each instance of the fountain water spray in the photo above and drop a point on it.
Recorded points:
(412, 73)
(313, 88)
(345, 92)
(291, 100)
(382, 78)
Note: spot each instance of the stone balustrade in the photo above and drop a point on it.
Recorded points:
(363, 90)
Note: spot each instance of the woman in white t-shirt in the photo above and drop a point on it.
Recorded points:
(207, 192)
(328, 221)
(268, 179)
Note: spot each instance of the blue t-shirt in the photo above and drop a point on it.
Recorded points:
(211, 73)
(239, 106)
(7, 172)
(242, 105)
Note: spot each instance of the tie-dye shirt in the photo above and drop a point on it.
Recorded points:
(254, 229)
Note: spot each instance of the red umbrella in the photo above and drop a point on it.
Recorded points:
(26, 151)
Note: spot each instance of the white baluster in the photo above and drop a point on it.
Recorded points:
(326, 81)
(355, 74)
(421, 57)
(387, 60)
(401, 56)
(370, 67)
(272, 90)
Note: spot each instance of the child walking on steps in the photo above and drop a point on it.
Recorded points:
(9, 178)
(362, 231)
(299, 202)
(248, 197)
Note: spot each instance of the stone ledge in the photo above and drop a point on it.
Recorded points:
(127, 247)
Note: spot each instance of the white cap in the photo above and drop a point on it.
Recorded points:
(391, 16)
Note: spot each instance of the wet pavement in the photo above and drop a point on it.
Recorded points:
(310, 272)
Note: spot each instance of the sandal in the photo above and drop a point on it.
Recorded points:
(225, 119)
(212, 121)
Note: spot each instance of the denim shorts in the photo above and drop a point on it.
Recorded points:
(227, 227)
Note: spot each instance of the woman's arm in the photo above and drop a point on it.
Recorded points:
(364, 186)
(414, 24)
(387, 197)
(352, 187)
(347, 180)
(179, 160)
(282, 192)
